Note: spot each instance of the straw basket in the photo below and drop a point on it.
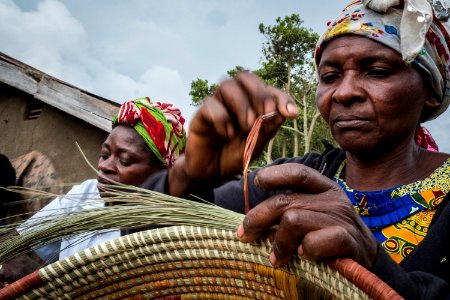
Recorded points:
(193, 263)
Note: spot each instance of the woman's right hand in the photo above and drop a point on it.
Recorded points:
(218, 131)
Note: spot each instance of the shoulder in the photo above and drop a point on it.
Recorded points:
(72, 201)
(86, 189)
(430, 161)
(79, 194)
(87, 186)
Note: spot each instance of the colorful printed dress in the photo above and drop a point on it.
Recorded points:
(400, 217)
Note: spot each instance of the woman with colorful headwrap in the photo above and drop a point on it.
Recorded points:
(160, 125)
(146, 138)
(381, 198)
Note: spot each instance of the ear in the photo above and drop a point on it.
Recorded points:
(430, 105)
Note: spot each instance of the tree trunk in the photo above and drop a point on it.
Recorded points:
(269, 151)
(307, 140)
(288, 82)
(310, 131)
(296, 143)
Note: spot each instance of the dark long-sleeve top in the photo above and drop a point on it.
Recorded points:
(423, 274)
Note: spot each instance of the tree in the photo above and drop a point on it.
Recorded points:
(200, 88)
(233, 72)
(288, 54)
(287, 63)
(290, 46)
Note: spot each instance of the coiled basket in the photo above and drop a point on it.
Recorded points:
(193, 263)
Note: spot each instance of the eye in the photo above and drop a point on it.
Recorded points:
(379, 72)
(329, 77)
(125, 163)
(126, 160)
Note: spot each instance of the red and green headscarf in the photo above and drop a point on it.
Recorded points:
(159, 124)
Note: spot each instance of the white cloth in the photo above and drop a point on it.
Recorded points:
(417, 18)
(81, 197)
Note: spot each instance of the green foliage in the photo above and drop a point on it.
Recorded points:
(233, 72)
(289, 45)
(272, 72)
(200, 89)
(287, 63)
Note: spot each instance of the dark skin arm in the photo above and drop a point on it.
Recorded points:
(17, 268)
(316, 220)
(218, 132)
(214, 152)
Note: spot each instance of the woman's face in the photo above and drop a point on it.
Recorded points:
(370, 98)
(125, 158)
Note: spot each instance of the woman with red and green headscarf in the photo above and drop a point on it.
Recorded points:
(159, 124)
(146, 138)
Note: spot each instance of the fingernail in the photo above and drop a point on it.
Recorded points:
(240, 231)
(273, 259)
(292, 108)
(251, 117)
(230, 131)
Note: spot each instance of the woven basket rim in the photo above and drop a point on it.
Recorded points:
(181, 249)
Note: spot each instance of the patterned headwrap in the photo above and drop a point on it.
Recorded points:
(414, 31)
(159, 124)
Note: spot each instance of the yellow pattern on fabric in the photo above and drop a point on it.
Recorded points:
(403, 237)
(438, 178)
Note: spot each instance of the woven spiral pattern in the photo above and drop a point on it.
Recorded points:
(181, 263)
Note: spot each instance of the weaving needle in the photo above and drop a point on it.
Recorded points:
(269, 115)
(248, 152)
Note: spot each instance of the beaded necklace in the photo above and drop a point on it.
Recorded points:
(399, 217)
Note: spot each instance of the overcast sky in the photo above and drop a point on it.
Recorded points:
(126, 49)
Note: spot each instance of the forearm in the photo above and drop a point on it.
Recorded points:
(179, 184)
(176, 182)
(17, 268)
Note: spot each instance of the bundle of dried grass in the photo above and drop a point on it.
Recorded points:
(134, 207)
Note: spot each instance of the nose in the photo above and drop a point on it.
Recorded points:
(107, 165)
(349, 90)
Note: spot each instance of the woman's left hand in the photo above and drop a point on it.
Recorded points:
(316, 220)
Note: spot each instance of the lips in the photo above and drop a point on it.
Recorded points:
(103, 180)
(350, 121)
